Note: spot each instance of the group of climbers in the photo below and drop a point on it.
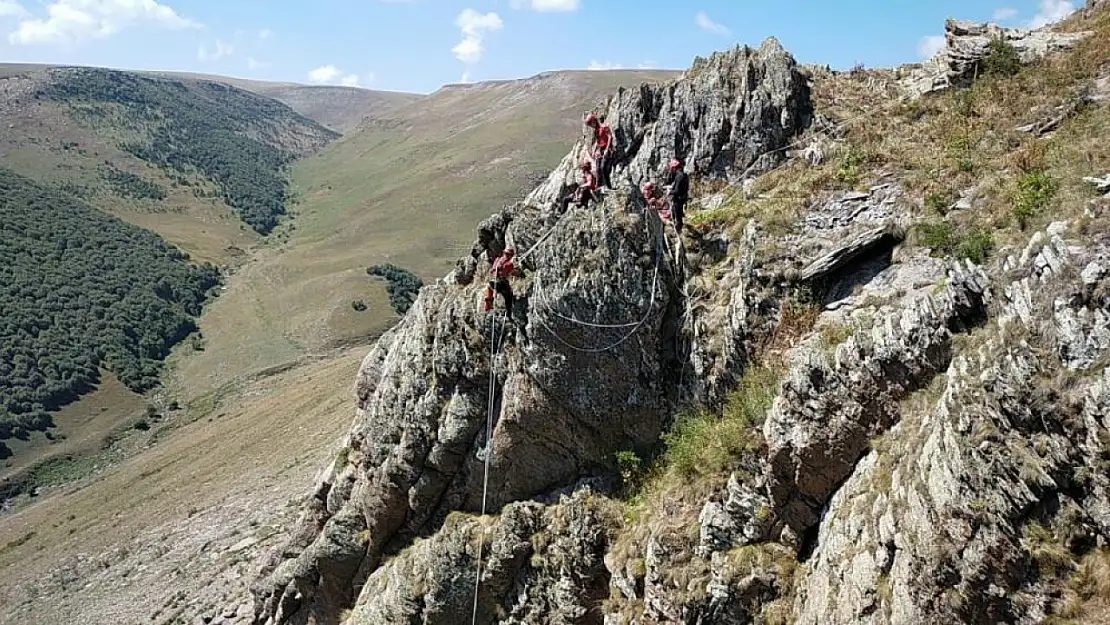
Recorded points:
(593, 179)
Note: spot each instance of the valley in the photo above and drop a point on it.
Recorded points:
(279, 341)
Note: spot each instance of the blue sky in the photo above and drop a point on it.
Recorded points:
(419, 45)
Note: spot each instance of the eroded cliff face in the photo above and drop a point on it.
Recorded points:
(591, 365)
(934, 449)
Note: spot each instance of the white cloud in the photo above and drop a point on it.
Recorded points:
(72, 21)
(11, 8)
(709, 25)
(332, 75)
(930, 45)
(1003, 13)
(546, 6)
(465, 78)
(1051, 11)
(265, 34)
(646, 65)
(253, 63)
(474, 26)
(218, 51)
(595, 66)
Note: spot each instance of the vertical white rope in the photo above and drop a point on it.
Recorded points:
(489, 452)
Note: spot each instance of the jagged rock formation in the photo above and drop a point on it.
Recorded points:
(1006, 453)
(567, 394)
(966, 44)
(938, 440)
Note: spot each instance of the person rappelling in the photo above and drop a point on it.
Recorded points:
(602, 149)
(678, 193)
(502, 268)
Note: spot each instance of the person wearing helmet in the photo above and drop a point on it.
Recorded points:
(501, 269)
(679, 192)
(654, 200)
(585, 190)
(602, 148)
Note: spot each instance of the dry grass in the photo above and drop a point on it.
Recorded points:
(175, 506)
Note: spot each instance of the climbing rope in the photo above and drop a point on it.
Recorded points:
(489, 452)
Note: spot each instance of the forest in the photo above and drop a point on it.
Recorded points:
(80, 290)
(179, 131)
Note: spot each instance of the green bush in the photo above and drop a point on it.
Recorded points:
(358, 305)
(851, 166)
(976, 246)
(403, 285)
(703, 443)
(939, 202)
(940, 236)
(1035, 190)
(1002, 59)
(629, 464)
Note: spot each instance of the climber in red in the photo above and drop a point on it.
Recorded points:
(655, 200)
(679, 192)
(585, 191)
(602, 149)
(502, 268)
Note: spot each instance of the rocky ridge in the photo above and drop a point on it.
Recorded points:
(936, 441)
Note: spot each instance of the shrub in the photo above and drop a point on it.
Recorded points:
(851, 166)
(939, 236)
(141, 425)
(1035, 189)
(938, 202)
(976, 246)
(629, 465)
(403, 285)
(1002, 59)
(703, 443)
(358, 305)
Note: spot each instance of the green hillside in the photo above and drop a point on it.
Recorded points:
(193, 160)
(80, 290)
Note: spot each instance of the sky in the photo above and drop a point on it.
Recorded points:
(420, 45)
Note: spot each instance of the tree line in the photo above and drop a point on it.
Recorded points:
(80, 290)
(210, 128)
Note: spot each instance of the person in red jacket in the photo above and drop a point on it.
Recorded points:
(502, 268)
(585, 191)
(603, 148)
(655, 200)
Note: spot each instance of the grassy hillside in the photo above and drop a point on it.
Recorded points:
(406, 189)
(340, 108)
(80, 289)
(192, 160)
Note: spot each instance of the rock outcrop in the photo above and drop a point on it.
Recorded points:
(591, 364)
(970, 509)
(966, 44)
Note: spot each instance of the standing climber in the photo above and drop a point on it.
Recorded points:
(585, 191)
(679, 192)
(502, 268)
(602, 151)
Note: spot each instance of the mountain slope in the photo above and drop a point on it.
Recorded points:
(340, 108)
(403, 190)
(179, 157)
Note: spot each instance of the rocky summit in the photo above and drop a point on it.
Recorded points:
(858, 388)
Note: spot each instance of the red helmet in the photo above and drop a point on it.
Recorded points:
(648, 188)
(675, 164)
(591, 119)
(509, 252)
